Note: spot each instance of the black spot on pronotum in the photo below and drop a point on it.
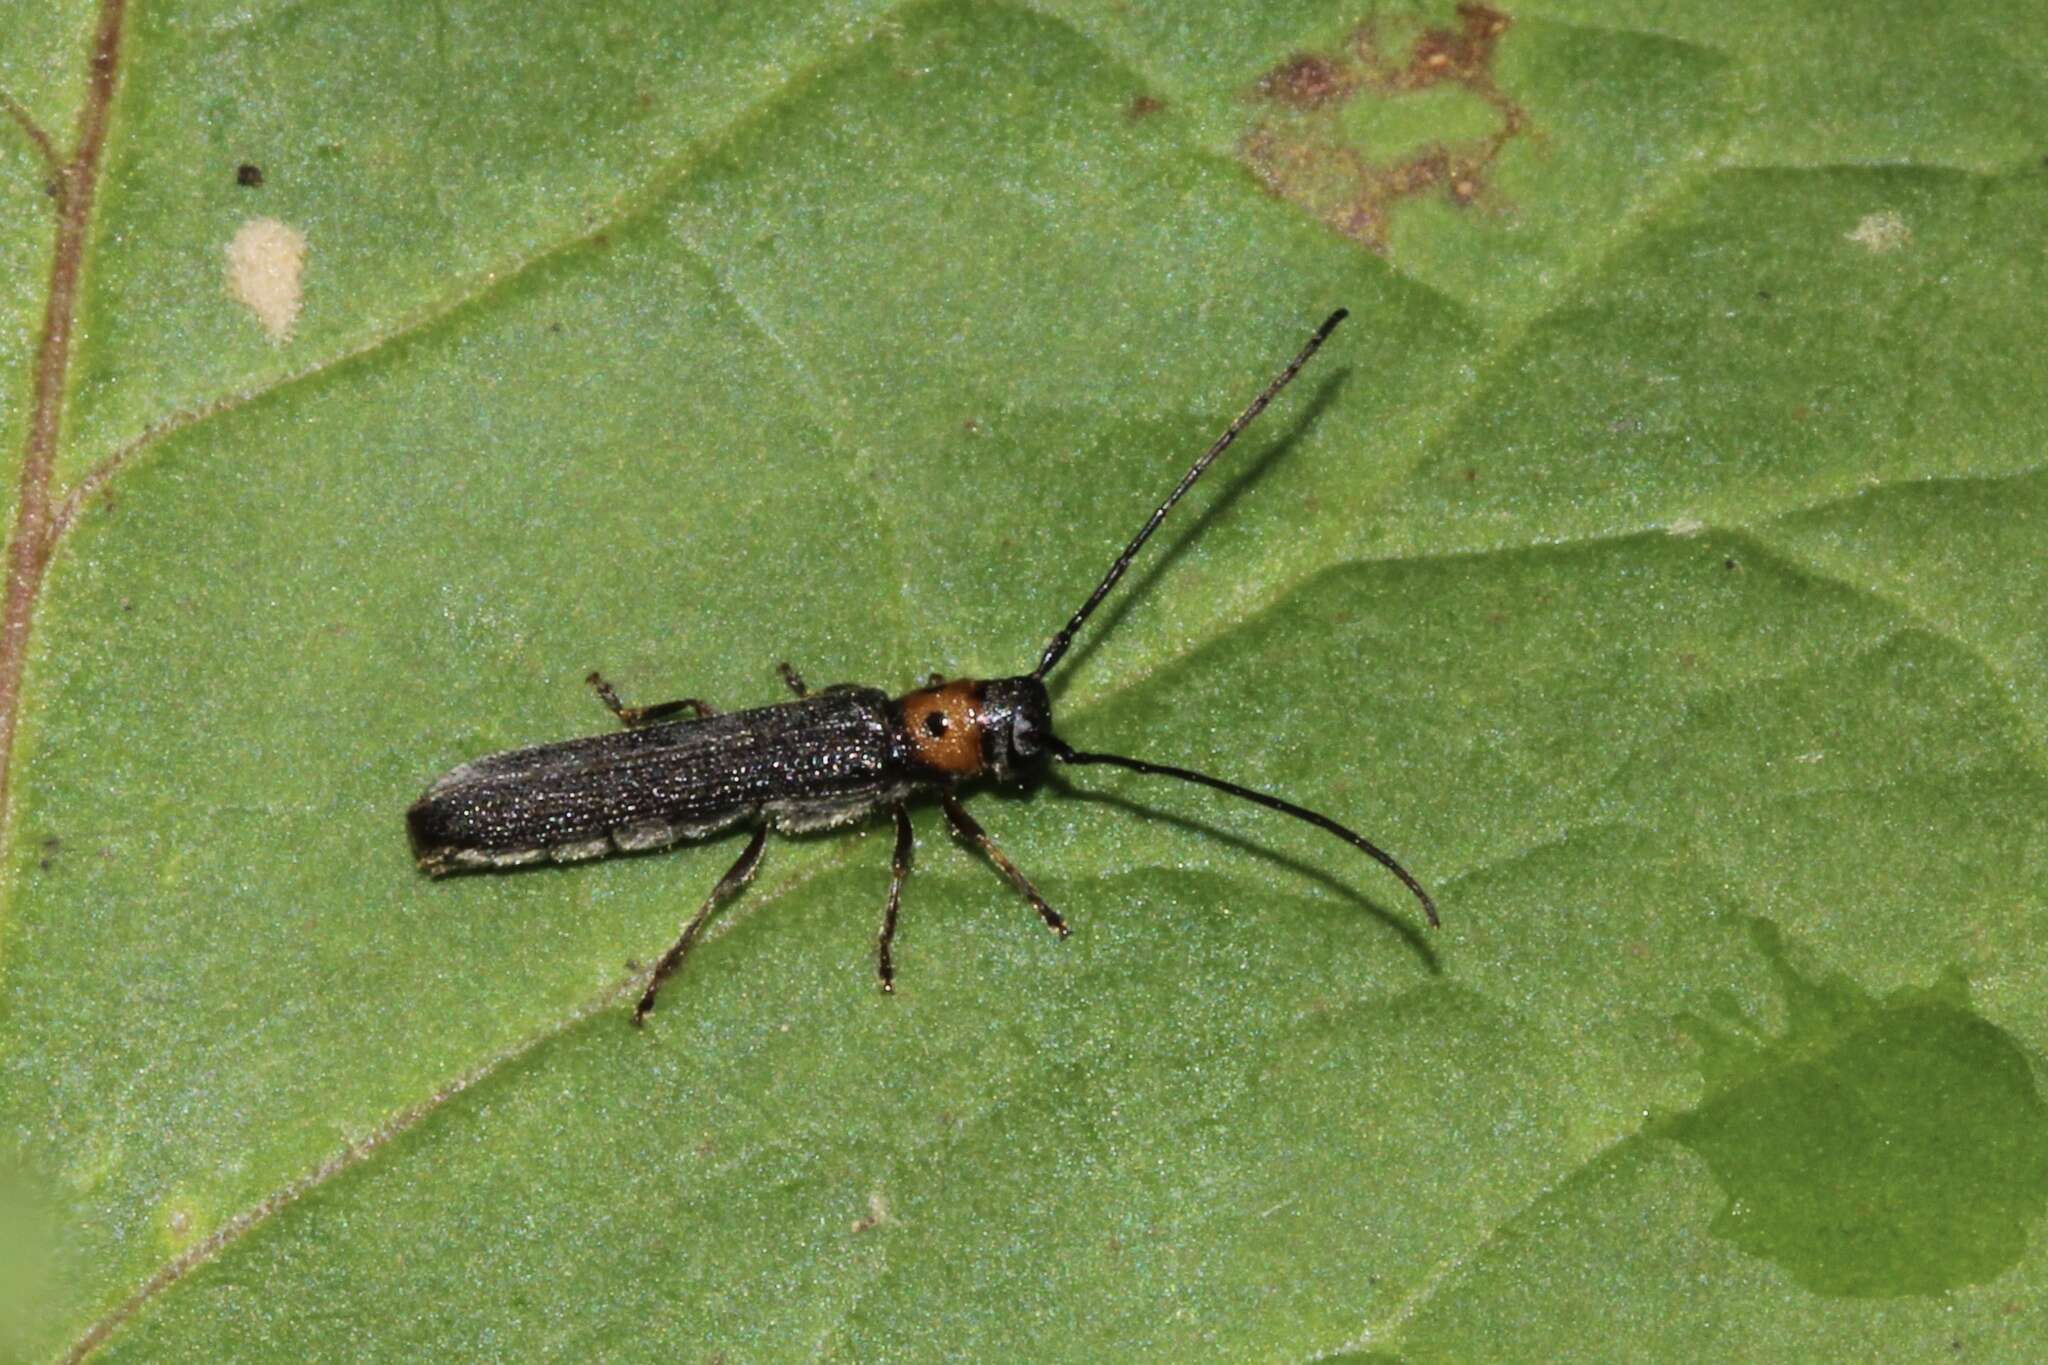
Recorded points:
(935, 723)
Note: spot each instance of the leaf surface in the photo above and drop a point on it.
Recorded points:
(1652, 564)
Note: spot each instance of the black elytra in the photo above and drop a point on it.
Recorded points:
(824, 759)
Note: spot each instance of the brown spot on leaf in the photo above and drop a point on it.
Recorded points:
(1463, 54)
(1308, 81)
(1144, 106)
(877, 1214)
(1300, 149)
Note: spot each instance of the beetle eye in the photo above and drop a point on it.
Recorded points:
(935, 723)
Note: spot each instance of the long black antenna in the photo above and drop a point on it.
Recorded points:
(1058, 647)
(1378, 854)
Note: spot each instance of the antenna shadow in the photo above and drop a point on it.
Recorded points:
(1417, 941)
(1137, 589)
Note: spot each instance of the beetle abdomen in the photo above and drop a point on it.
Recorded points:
(824, 760)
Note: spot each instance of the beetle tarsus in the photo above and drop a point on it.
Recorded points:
(968, 828)
(737, 876)
(633, 717)
(899, 868)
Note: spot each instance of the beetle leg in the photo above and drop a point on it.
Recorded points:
(899, 868)
(794, 679)
(967, 827)
(632, 716)
(736, 877)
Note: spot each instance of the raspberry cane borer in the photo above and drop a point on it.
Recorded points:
(827, 758)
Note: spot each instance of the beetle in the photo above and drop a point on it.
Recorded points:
(825, 759)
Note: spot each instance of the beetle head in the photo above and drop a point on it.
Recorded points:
(1016, 732)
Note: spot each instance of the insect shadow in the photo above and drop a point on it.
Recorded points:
(683, 770)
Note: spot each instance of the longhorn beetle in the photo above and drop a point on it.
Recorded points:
(827, 758)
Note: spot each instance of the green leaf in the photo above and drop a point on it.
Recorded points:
(1652, 564)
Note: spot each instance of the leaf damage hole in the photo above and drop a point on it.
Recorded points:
(265, 271)
(1302, 150)
(1881, 233)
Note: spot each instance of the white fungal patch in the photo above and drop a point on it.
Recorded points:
(266, 269)
(1879, 233)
